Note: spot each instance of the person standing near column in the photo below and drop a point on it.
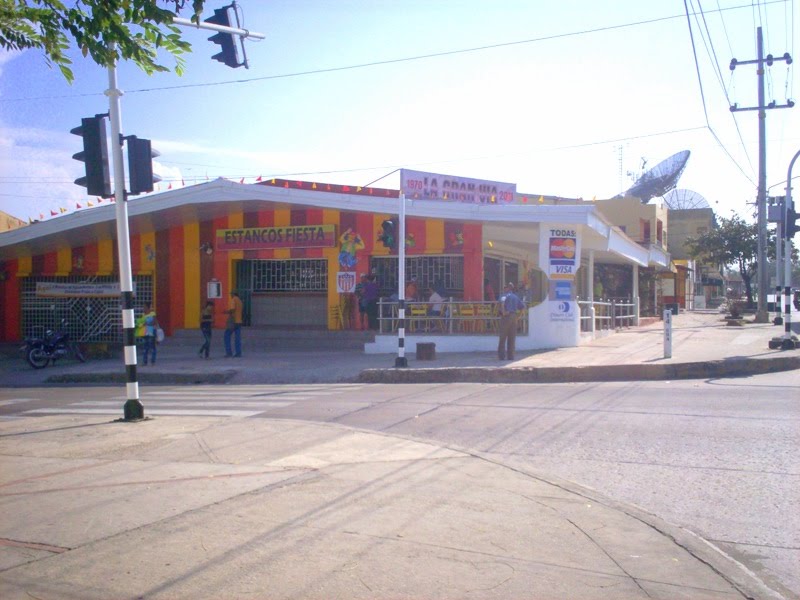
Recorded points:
(206, 321)
(510, 306)
(149, 322)
(234, 327)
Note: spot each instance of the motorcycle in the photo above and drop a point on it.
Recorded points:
(40, 351)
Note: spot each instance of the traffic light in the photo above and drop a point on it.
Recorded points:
(790, 227)
(230, 47)
(387, 235)
(140, 165)
(95, 156)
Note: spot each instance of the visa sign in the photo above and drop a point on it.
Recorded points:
(559, 252)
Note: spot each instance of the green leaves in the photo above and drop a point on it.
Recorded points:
(138, 28)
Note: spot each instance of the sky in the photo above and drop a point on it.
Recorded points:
(571, 98)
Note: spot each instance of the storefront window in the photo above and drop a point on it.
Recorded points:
(430, 271)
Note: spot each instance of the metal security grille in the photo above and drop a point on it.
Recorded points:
(90, 319)
(298, 275)
(430, 271)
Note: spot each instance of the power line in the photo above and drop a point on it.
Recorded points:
(391, 61)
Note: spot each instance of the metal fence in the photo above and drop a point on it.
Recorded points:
(90, 319)
(608, 314)
(456, 318)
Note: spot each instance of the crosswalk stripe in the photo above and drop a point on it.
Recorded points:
(214, 401)
(188, 412)
(170, 403)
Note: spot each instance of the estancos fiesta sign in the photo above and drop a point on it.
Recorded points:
(257, 238)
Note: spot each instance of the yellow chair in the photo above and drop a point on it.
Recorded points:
(486, 317)
(466, 317)
(417, 316)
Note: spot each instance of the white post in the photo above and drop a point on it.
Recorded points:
(667, 334)
(590, 283)
(401, 360)
(133, 409)
(635, 288)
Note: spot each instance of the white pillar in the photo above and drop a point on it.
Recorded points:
(635, 294)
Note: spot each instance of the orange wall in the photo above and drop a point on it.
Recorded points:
(181, 271)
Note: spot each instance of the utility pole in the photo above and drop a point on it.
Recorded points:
(763, 278)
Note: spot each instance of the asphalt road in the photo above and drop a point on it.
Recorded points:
(719, 457)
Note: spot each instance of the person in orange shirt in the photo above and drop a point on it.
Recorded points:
(234, 327)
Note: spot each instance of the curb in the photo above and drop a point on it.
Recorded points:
(152, 378)
(734, 367)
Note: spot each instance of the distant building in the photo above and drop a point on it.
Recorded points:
(9, 222)
(705, 284)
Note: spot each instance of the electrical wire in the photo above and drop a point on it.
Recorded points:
(388, 61)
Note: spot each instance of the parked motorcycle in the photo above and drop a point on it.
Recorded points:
(40, 351)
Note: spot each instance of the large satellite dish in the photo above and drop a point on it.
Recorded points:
(682, 199)
(660, 179)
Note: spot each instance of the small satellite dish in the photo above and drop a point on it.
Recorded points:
(660, 179)
(684, 199)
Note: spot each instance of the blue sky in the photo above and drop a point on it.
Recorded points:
(591, 91)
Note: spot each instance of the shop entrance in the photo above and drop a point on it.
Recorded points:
(284, 293)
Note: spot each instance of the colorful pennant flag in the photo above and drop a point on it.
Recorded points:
(89, 204)
(78, 205)
(53, 213)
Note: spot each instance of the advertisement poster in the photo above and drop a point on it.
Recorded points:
(433, 186)
(561, 301)
(45, 289)
(559, 251)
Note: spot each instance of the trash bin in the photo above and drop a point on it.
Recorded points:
(426, 351)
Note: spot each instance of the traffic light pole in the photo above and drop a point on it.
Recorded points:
(133, 410)
(788, 342)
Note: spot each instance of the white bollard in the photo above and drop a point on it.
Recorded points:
(667, 333)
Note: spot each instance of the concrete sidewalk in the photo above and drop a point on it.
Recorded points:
(703, 346)
(255, 508)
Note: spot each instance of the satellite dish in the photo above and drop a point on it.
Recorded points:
(684, 199)
(660, 179)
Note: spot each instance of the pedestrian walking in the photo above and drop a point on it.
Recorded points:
(233, 327)
(206, 323)
(510, 306)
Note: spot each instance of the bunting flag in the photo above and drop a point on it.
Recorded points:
(112, 199)
(241, 180)
(41, 217)
(206, 176)
(30, 220)
(89, 204)
(541, 199)
(53, 213)
(99, 199)
(169, 187)
(594, 198)
(78, 205)
(258, 178)
(183, 183)
(62, 209)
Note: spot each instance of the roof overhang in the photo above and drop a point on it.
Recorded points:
(517, 224)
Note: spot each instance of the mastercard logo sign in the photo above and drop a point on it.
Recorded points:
(562, 248)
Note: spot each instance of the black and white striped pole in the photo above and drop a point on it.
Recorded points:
(401, 360)
(133, 410)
